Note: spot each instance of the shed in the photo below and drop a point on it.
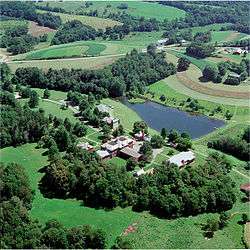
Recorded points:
(86, 146)
(182, 158)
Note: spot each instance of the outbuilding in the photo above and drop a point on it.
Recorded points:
(182, 158)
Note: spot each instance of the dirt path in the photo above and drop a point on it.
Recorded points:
(191, 84)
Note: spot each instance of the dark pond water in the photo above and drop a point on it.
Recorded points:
(158, 116)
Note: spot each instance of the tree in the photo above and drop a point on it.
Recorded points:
(151, 49)
(157, 141)
(246, 134)
(244, 218)
(34, 99)
(183, 144)
(140, 126)
(210, 72)
(183, 64)
(46, 94)
(147, 151)
(106, 131)
(131, 164)
(223, 220)
(62, 138)
(122, 243)
(211, 226)
(163, 133)
(79, 129)
(53, 151)
(173, 135)
(200, 50)
(54, 236)
(15, 182)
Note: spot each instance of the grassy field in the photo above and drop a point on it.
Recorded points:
(135, 8)
(95, 22)
(226, 36)
(137, 40)
(152, 232)
(122, 112)
(75, 63)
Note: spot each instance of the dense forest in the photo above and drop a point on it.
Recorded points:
(17, 40)
(132, 73)
(73, 31)
(27, 10)
(199, 14)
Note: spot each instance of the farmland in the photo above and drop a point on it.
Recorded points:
(93, 48)
(176, 207)
(138, 9)
(76, 63)
(95, 22)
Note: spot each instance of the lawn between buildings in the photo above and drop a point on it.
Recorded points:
(156, 233)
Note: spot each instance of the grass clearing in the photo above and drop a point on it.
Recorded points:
(95, 22)
(122, 112)
(37, 30)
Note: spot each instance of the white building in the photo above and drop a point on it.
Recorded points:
(86, 146)
(182, 158)
(104, 154)
(111, 121)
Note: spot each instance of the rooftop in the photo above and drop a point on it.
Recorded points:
(130, 152)
(181, 158)
(103, 108)
(102, 153)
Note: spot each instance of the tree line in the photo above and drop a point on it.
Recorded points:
(225, 70)
(27, 10)
(168, 193)
(132, 73)
(198, 14)
(238, 146)
(19, 230)
(17, 40)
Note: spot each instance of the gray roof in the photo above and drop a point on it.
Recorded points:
(130, 152)
(182, 158)
(103, 108)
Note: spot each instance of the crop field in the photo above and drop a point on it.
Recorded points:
(226, 36)
(78, 49)
(37, 30)
(95, 22)
(75, 63)
(135, 8)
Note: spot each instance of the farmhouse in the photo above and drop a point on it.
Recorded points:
(86, 146)
(111, 121)
(182, 158)
(128, 152)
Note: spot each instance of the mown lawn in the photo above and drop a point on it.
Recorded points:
(152, 232)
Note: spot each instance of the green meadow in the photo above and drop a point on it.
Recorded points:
(135, 8)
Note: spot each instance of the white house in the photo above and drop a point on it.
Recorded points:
(111, 121)
(182, 158)
(104, 154)
(86, 146)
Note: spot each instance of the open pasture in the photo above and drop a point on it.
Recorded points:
(135, 8)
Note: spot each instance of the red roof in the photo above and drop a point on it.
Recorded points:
(245, 187)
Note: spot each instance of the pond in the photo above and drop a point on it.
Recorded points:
(158, 116)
